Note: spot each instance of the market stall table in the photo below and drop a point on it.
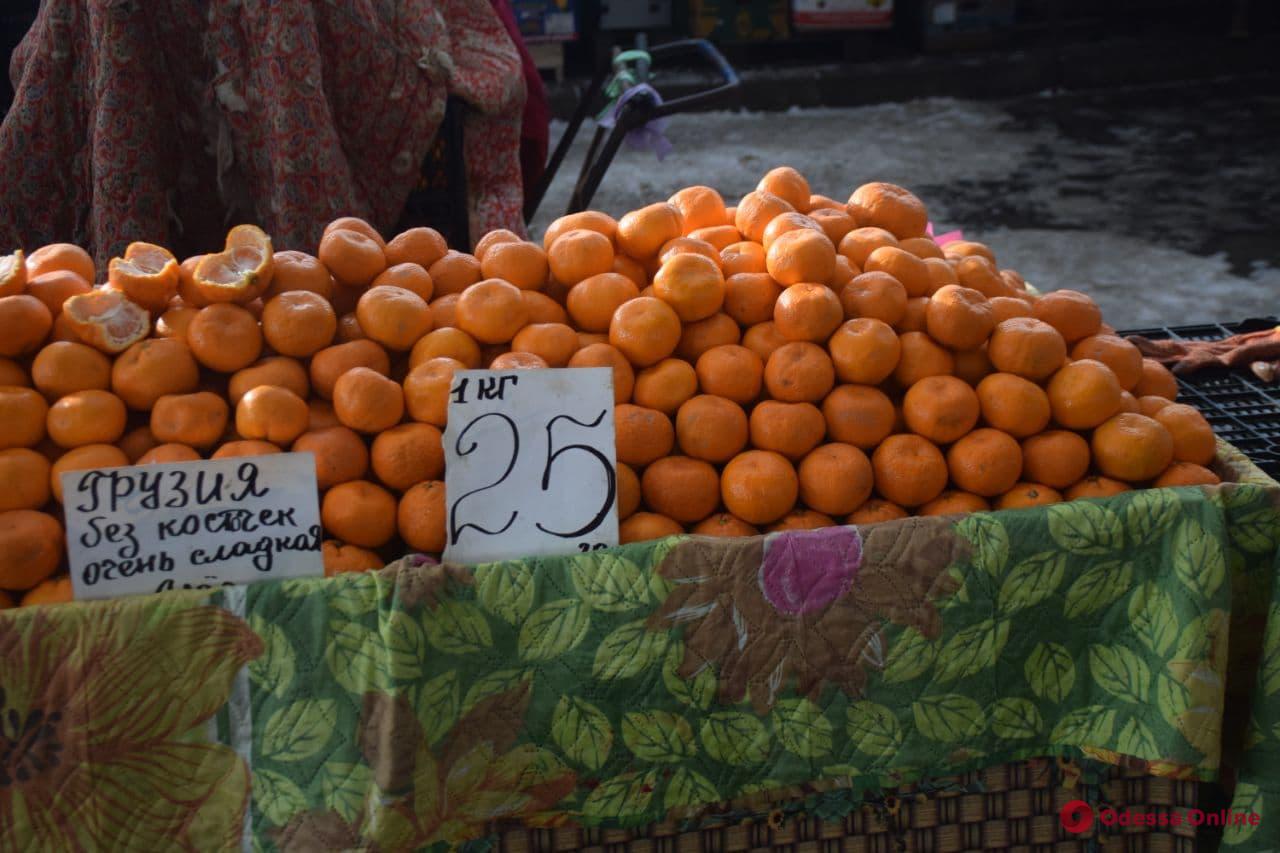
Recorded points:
(796, 676)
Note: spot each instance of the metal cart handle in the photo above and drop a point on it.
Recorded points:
(706, 50)
(635, 113)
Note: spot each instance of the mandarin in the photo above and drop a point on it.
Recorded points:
(874, 511)
(64, 367)
(1025, 494)
(554, 343)
(955, 502)
(628, 501)
(891, 207)
(666, 385)
(755, 211)
(807, 312)
(858, 414)
(645, 330)
(902, 265)
(876, 295)
(1124, 359)
(31, 546)
(225, 337)
(1072, 313)
(1156, 381)
(367, 401)
(588, 220)
(642, 435)
(684, 489)
(277, 370)
(835, 479)
(491, 311)
(25, 322)
(1014, 405)
(339, 558)
(340, 454)
(1186, 474)
(723, 524)
(165, 453)
(921, 357)
(453, 272)
(1132, 448)
(1193, 439)
(198, 419)
(361, 513)
(731, 371)
(605, 355)
(299, 323)
(330, 363)
(909, 470)
(420, 516)
(801, 255)
(959, 318)
(645, 526)
(692, 285)
(1027, 347)
(272, 413)
(427, 387)
(55, 288)
(759, 486)
(592, 302)
(792, 429)
(987, 462)
(742, 257)
(941, 408)
(799, 372)
(1083, 394)
(86, 417)
(408, 454)
(24, 479)
(421, 246)
(22, 417)
(711, 428)
(699, 207)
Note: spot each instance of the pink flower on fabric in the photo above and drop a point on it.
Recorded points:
(805, 570)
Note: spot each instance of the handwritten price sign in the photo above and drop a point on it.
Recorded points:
(529, 464)
(192, 525)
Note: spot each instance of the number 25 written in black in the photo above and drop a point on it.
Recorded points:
(465, 447)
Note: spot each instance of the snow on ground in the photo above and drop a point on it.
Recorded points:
(1136, 203)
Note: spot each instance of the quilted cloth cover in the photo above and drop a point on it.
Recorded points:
(413, 708)
(169, 120)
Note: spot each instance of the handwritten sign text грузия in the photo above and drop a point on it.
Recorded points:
(192, 525)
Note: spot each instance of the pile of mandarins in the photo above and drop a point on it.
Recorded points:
(790, 362)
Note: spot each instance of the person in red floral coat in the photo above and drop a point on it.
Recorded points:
(169, 120)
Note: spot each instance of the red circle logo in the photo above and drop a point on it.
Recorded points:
(1077, 816)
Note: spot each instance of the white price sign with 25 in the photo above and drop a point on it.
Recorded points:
(529, 464)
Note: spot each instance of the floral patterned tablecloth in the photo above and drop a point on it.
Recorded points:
(415, 706)
(169, 120)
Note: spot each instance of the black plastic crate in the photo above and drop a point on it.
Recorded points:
(1242, 409)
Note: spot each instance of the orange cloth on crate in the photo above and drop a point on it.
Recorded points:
(169, 120)
(1236, 351)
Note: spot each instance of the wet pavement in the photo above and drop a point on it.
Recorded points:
(1161, 202)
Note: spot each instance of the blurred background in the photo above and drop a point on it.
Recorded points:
(1122, 147)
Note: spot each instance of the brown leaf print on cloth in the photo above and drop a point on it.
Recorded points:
(417, 582)
(805, 605)
(481, 775)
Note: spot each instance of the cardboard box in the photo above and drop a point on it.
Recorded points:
(808, 15)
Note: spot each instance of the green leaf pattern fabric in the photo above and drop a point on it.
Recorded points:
(414, 707)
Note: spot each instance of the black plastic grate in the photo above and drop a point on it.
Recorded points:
(1242, 409)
